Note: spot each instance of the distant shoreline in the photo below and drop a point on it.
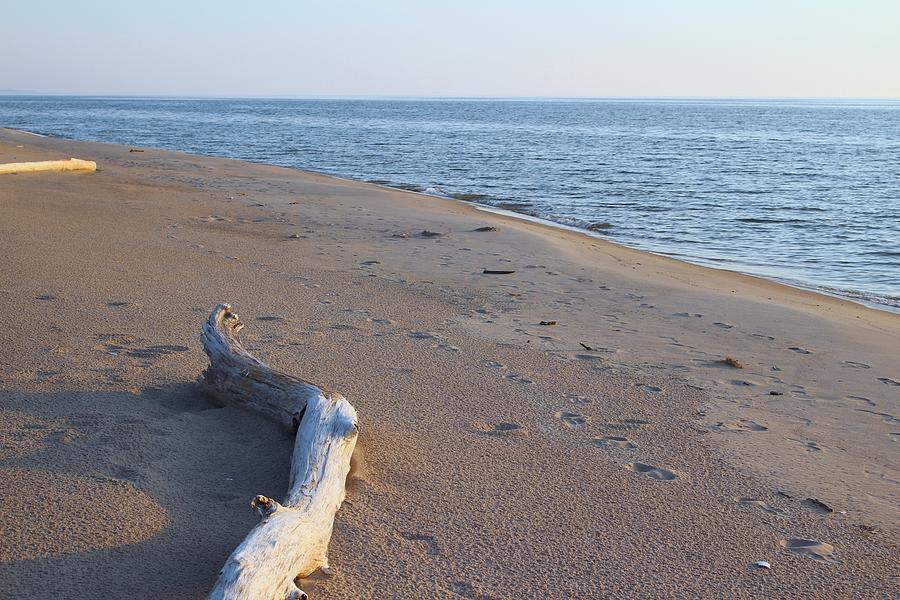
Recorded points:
(465, 98)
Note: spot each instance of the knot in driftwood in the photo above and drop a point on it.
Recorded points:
(264, 506)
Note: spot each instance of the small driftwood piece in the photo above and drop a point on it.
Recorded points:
(73, 164)
(291, 539)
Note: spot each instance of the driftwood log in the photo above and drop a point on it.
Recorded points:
(291, 539)
(73, 164)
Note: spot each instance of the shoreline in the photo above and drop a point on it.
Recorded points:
(890, 304)
(838, 294)
(615, 447)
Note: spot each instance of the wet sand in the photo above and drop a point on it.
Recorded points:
(611, 454)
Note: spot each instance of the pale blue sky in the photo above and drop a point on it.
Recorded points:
(785, 48)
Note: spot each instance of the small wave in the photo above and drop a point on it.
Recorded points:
(419, 189)
(409, 187)
(515, 206)
(601, 226)
(651, 208)
(799, 174)
(469, 197)
(893, 302)
(765, 220)
(41, 135)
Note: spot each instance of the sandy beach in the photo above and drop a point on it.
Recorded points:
(610, 452)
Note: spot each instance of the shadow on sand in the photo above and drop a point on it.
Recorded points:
(199, 462)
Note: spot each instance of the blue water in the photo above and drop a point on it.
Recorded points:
(802, 191)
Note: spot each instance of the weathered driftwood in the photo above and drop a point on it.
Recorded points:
(73, 164)
(291, 540)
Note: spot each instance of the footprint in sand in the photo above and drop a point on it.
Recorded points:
(151, 353)
(862, 399)
(430, 543)
(382, 322)
(754, 502)
(422, 335)
(856, 365)
(614, 441)
(799, 350)
(888, 381)
(46, 375)
(627, 424)
(126, 473)
(652, 472)
(741, 383)
(24, 434)
(465, 589)
(571, 419)
(499, 429)
(588, 357)
(517, 378)
(814, 549)
(723, 325)
(817, 506)
(121, 304)
(885, 416)
(511, 375)
(739, 426)
(576, 399)
(651, 388)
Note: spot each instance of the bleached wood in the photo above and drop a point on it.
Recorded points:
(73, 164)
(291, 540)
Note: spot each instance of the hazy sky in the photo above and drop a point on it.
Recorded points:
(831, 48)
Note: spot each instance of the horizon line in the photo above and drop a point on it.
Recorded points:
(26, 93)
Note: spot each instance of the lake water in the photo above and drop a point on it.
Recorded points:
(806, 192)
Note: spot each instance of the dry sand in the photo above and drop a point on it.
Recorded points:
(503, 458)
